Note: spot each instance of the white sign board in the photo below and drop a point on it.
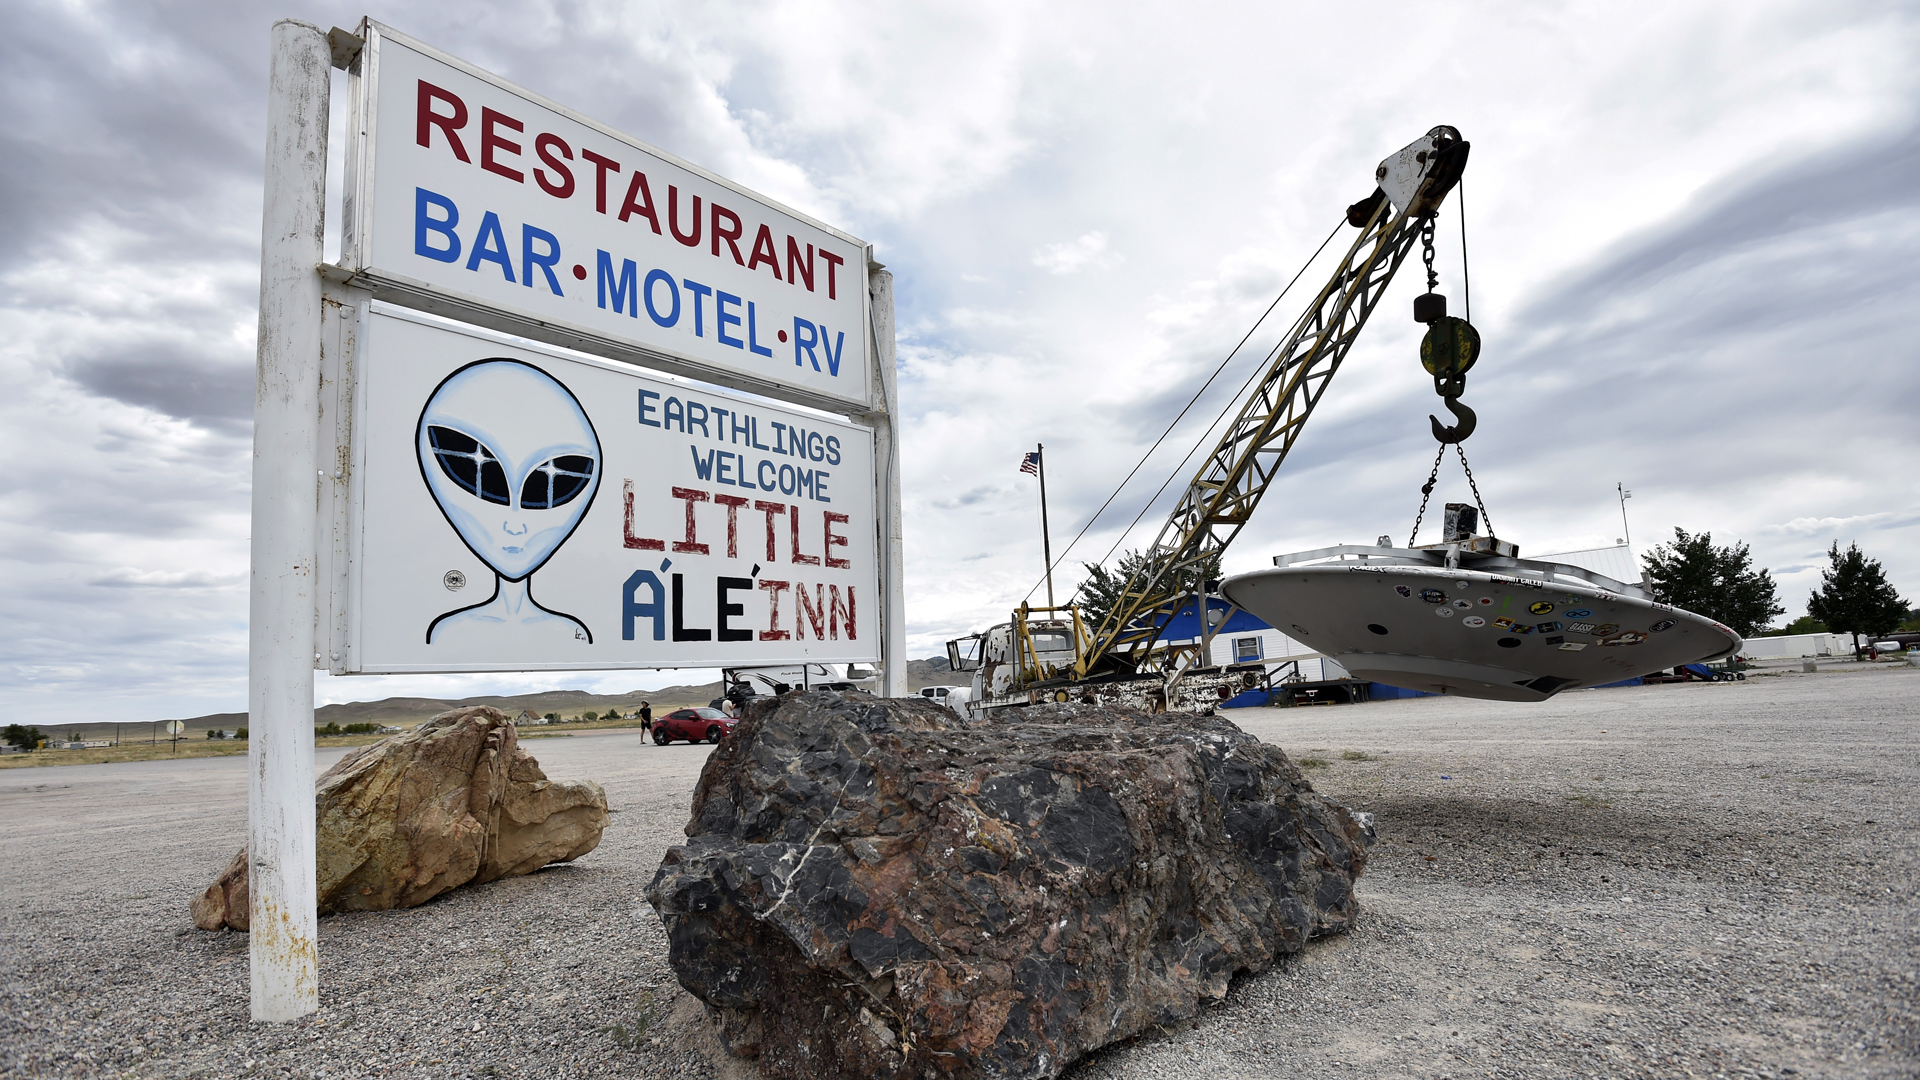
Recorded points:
(485, 202)
(520, 508)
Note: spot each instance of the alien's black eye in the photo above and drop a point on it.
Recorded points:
(555, 482)
(469, 464)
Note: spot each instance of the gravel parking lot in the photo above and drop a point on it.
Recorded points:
(1706, 880)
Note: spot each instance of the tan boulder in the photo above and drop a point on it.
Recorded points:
(403, 820)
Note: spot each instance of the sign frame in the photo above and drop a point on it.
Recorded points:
(393, 287)
(313, 318)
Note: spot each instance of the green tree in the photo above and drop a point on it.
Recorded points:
(1855, 596)
(553, 716)
(1805, 624)
(1718, 582)
(1102, 589)
(26, 738)
(589, 716)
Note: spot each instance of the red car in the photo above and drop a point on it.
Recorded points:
(693, 725)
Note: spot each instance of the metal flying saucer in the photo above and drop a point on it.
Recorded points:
(1486, 627)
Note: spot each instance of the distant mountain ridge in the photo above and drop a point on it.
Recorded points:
(407, 711)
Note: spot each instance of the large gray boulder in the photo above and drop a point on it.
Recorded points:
(876, 888)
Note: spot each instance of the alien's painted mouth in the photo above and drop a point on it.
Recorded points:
(512, 550)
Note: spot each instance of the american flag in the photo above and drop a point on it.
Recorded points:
(1030, 464)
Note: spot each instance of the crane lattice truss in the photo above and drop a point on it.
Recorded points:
(1223, 494)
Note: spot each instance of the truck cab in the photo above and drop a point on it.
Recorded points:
(741, 685)
(1035, 646)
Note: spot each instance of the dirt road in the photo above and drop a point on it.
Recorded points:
(1663, 881)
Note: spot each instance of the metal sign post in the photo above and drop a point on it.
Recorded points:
(886, 437)
(280, 836)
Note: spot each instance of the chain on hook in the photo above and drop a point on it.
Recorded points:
(1433, 477)
(1427, 252)
(1486, 519)
(1426, 493)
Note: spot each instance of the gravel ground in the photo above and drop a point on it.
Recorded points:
(1684, 880)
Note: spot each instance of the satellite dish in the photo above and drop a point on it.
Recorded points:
(1509, 629)
(176, 727)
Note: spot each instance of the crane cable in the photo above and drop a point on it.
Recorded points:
(1171, 425)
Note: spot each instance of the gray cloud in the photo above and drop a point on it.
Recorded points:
(132, 112)
(1779, 197)
(172, 381)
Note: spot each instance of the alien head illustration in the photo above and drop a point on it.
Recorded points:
(514, 462)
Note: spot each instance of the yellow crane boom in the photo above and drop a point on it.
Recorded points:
(1222, 495)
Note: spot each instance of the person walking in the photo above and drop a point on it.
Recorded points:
(646, 716)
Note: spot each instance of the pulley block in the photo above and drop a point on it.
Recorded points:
(1450, 347)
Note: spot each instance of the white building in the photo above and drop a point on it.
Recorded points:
(1245, 639)
(1616, 562)
(1772, 648)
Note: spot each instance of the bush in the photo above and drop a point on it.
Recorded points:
(1805, 624)
(361, 729)
(589, 715)
(553, 716)
(26, 738)
(331, 729)
(240, 733)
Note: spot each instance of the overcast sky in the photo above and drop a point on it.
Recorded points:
(1694, 245)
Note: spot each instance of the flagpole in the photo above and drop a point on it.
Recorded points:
(1046, 542)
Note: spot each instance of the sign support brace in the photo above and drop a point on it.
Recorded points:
(886, 449)
(287, 486)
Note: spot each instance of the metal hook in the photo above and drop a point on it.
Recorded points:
(1457, 432)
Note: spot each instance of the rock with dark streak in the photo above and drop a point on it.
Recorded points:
(403, 820)
(876, 888)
